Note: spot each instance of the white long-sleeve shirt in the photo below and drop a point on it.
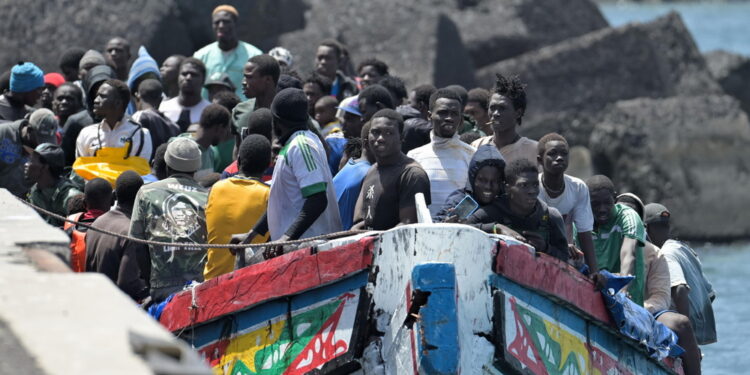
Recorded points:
(96, 136)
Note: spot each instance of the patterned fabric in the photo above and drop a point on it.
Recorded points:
(172, 210)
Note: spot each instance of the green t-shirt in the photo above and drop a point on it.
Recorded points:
(223, 154)
(608, 239)
(54, 199)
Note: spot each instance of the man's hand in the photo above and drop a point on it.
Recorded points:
(241, 238)
(276, 250)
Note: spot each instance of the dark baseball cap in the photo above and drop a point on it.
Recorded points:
(221, 79)
(655, 213)
(52, 154)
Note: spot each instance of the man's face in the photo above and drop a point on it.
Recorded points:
(223, 25)
(313, 93)
(369, 75)
(33, 169)
(658, 233)
(65, 102)
(446, 117)
(352, 125)
(106, 101)
(190, 79)
(555, 157)
(253, 83)
(326, 61)
(169, 69)
(502, 114)
(47, 93)
(487, 184)
(214, 133)
(602, 205)
(367, 109)
(476, 112)
(384, 138)
(118, 51)
(524, 190)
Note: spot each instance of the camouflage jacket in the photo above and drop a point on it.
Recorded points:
(172, 210)
(54, 199)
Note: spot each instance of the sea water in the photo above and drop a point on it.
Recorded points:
(713, 25)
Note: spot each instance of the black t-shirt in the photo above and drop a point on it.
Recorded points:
(159, 126)
(416, 134)
(385, 190)
(545, 221)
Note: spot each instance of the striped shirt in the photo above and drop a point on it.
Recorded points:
(301, 170)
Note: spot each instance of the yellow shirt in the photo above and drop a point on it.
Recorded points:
(234, 206)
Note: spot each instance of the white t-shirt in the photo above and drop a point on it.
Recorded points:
(172, 108)
(96, 136)
(573, 203)
(446, 162)
(301, 170)
(522, 148)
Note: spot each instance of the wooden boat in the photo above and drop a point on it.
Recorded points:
(422, 298)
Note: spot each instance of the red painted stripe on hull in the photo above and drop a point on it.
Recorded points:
(288, 274)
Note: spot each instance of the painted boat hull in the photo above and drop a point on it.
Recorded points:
(418, 299)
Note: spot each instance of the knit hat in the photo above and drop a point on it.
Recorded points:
(282, 55)
(143, 67)
(44, 123)
(91, 58)
(54, 79)
(290, 106)
(655, 213)
(226, 8)
(26, 77)
(52, 154)
(183, 155)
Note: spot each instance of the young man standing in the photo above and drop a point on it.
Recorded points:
(173, 210)
(124, 262)
(186, 108)
(302, 202)
(521, 211)
(568, 194)
(506, 109)
(445, 159)
(115, 129)
(260, 76)
(26, 85)
(327, 61)
(227, 54)
(619, 235)
(477, 107)
(387, 196)
(118, 54)
(213, 124)
(147, 100)
(348, 182)
(237, 203)
(417, 129)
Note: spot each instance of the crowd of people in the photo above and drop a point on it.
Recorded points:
(233, 145)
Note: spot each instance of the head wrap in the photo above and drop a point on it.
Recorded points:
(226, 8)
(25, 77)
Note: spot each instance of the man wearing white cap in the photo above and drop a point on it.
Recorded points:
(173, 210)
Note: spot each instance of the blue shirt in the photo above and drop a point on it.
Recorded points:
(347, 184)
(336, 143)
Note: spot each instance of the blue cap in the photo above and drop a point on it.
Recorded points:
(25, 77)
(351, 106)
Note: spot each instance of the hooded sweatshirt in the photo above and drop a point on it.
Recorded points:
(487, 155)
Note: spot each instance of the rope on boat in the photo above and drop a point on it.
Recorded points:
(194, 245)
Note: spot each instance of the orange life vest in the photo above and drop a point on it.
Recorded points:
(77, 243)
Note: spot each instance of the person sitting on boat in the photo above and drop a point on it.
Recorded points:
(387, 196)
(484, 183)
(446, 158)
(521, 211)
(173, 210)
(619, 235)
(692, 293)
(567, 194)
(657, 301)
(302, 201)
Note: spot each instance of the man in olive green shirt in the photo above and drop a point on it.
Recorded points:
(51, 190)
